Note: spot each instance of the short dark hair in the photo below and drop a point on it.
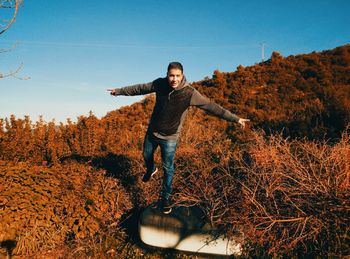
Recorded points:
(175, 65)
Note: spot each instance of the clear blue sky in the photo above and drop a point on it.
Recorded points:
(73, 50)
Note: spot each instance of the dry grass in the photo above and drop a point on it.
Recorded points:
(288, 196)
(297, 194)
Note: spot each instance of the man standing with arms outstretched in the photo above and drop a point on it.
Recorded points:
(174, 95)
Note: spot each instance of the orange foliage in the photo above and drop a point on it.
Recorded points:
(43, 207)
(288, 195)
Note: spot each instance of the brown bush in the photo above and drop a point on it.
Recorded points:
(289, 196)
(297, 194)
(43, 207)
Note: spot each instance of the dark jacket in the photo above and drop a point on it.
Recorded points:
(172, 105)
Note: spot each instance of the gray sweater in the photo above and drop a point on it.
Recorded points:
(172, 105)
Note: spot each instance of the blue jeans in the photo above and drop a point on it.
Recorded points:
(167, 149)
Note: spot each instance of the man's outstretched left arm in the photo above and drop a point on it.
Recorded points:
(204, 103)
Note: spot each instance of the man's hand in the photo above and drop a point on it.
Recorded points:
(112, 92)
(242, 122)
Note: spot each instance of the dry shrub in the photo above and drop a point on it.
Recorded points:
(42, 207)
(287, 196)
(296, 194)
(203, 160)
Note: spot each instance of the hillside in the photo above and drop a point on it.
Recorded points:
(284, 181)
(303, 96)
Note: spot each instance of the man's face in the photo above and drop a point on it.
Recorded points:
(175, 77)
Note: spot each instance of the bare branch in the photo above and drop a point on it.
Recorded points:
(8, 50)
(9, 4)
(14, 74)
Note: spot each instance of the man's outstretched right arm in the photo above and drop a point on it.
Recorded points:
(131, 90)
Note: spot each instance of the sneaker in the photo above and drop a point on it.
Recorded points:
(166, 206)
(147, 176)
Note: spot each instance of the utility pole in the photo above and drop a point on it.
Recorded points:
(262, 51)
